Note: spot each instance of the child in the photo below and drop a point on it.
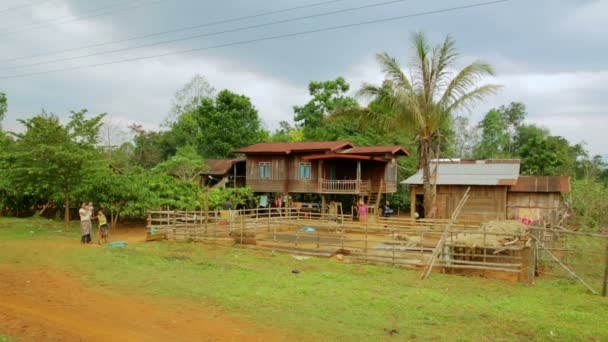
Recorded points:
(103, 227)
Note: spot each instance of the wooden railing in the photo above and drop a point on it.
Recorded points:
(344, 186)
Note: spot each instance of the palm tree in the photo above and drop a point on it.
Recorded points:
(424, 101)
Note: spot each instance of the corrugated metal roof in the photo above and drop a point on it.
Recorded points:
(481, 172)
(289, 147)
(398, 150)
(219, 167)
(541, 184)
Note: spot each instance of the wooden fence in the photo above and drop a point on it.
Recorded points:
(389, 241)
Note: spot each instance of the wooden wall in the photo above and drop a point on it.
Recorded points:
(485, 203)
(284, 174)
(546, 202)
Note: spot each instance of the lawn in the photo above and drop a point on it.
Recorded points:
(327, 300)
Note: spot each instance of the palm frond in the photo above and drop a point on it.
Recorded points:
(393, 72)
(464, 81)
(465, 101)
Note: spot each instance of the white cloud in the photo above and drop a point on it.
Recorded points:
(589, 18)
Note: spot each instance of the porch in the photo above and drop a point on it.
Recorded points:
(349, 174)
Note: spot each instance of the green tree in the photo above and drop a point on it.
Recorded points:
(186, 164)
(151, 147)
(3, 107)
(51, 161)
(189, 97)
(589, 203)
(426, 100)
(327, 96)
(494, 136)
(465, 138)
(219, 125)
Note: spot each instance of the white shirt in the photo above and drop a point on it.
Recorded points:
(85, 215)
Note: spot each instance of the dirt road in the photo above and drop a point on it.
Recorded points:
(39, 304)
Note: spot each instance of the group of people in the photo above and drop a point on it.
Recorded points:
(86, 216)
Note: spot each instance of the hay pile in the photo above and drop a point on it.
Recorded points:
(513, 228)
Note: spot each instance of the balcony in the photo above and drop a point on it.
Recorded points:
(344, 186)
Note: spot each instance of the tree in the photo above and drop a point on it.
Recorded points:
(151, 147)
(220, 125)
(286, 133)
(3, 106)
(494, 136)
(50, 161)
(327, 96)
(426, 100)
(190, 96)
(186, 165)
(465, 137)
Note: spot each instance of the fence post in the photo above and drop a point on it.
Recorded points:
(605, 285)
(366, 241)
(242, 229)
(533, 257)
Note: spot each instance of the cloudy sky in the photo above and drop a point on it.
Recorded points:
(551, 55)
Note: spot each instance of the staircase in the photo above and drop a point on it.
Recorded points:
(373, 200)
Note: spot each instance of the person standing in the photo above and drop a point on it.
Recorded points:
(85, 223)
(103, 227)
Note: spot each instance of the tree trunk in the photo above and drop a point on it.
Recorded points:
(66, 214)
(44, 208)
(425, 162)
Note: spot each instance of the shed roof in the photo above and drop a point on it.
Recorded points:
(220, 166)
(289, 147)
(541, 184)
(344, 156)
(469, 172)
(394, 149)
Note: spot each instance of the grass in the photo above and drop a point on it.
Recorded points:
(328, 300)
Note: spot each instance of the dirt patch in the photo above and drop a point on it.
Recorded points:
(49, 305)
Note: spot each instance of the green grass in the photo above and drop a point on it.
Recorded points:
(328, 300)
(5, 339)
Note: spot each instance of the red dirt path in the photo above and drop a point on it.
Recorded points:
(39, 304)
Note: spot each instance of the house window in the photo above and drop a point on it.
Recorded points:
(264, 170)
(304, 170)
(392, 173)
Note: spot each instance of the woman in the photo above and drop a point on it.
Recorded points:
(85, 223)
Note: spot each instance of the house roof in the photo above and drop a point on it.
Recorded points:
(343, 156)
(396, 150)
(541, 184)
(220, 166)
(471, 172)
(289, 147)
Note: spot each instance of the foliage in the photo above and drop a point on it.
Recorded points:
(3, 106)
(150, 147)
(50, 161)
(186, 164)
(589, 203)
(220, 125)
(237, 196)
(494, 136)
(327, 96)
(286, 133)
(426, 100)
(465, 137)
(190, 97)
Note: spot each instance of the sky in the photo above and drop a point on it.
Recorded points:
(549, 54)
